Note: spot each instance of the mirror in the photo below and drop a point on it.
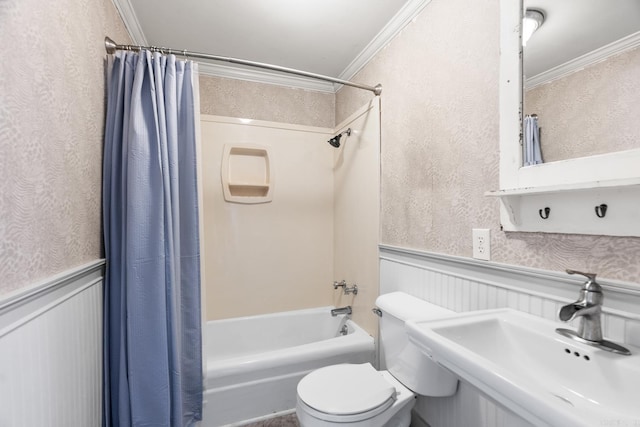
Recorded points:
(581, 77)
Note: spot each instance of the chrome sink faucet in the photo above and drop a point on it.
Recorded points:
(589, 308)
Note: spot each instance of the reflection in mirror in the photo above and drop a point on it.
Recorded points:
(582, 77)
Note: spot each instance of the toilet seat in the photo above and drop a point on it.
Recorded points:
(346, 393)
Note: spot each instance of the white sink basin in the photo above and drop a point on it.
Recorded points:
(520, 361)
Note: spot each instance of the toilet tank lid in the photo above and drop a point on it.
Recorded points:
(406, 307)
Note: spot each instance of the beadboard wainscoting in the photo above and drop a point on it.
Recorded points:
(464, 284)
(51, 351)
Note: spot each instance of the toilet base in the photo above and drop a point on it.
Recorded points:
(402, 418)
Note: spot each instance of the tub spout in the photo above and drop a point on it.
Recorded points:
(343, 310)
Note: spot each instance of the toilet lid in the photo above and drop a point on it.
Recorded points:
(345, 389)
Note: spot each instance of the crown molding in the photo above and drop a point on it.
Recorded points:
(619, 46)
(131, 23)
(404, 16)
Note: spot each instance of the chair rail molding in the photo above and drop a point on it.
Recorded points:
(621, 298)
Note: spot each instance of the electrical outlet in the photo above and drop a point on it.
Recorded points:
(482, 243)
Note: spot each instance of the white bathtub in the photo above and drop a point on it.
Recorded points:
(253, 364)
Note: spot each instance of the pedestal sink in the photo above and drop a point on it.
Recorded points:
(520, 361)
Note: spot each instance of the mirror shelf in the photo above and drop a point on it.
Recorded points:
(595, 186)
(571, 191)
(598, 208)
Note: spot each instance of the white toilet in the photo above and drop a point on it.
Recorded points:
(357, 395)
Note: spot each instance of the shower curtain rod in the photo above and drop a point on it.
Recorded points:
(112, 46)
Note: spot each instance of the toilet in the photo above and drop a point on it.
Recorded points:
(354, 395)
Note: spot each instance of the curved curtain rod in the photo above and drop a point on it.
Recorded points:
(112, 46)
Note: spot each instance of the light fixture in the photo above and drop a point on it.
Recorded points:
(532, 20)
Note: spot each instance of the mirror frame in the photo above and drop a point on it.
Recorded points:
(568, 189)
(582, 171)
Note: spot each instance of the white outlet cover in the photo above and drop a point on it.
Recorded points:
(482, 243)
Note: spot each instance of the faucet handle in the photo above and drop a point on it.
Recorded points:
(591, 284)
(590, 276)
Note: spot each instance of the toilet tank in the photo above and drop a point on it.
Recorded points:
(404, 360)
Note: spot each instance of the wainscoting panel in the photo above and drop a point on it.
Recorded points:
(51, 352)
(468, 408)
(463, 284)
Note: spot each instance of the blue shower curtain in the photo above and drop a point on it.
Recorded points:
(152, 340)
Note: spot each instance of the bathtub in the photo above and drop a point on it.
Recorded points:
(253, 364)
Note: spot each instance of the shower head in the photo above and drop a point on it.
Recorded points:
(335, 141)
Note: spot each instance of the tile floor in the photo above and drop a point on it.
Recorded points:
(285, 421)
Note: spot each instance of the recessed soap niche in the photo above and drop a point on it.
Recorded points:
(247, 174)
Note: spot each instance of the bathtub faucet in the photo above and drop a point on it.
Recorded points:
(342, 284)
(343, 310)
(351, 290)
(346, 288)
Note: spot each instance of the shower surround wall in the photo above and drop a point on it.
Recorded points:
(356, 166)
(322, 224)
(276, 256)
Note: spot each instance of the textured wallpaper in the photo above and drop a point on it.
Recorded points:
(592, 111)
(259, 101)
(440, 146)
(52, 101)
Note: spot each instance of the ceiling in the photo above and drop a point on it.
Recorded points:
(329, 37)
(337, 37)
(573, 28)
